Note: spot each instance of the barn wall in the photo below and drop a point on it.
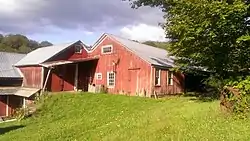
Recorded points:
(62, 78)
(132, 73)
(164, 88)
(32, 76)
(3, 102)
(69, 54)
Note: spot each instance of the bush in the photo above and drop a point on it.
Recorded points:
(237, 96)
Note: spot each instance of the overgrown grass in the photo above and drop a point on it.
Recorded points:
(109, 117)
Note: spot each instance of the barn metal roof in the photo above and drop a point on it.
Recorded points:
(7, 60)
(41, 55)
(153, 55)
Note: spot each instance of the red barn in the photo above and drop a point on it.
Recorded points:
(12, 94)
(132, 68)
(118, 64)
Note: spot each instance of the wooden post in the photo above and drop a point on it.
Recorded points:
(7, 105)
(76, 78)
(47, 77)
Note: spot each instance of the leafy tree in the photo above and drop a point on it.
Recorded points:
(207, 34)
(163, 45)
(15, 41)
(19, 43)
(45, 44)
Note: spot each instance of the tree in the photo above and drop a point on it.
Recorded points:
(19, 43)
(207, 34)
(15, 41)
(45, 44)
(163, 45)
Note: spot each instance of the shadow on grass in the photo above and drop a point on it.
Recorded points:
(203, 96)
(10, 128)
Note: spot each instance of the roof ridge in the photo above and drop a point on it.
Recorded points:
(135, 41)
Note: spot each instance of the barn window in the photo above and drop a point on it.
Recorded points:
(98, 76)
(157, 77)
(170, 78)
(107, 49)
(111, 79)
(78, 49)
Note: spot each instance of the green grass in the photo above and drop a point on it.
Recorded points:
(78, 117)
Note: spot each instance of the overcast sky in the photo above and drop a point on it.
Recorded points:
(69, 20)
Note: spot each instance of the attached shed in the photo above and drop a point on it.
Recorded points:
(55, 68)
(12, 94)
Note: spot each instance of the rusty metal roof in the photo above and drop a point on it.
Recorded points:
(7, 60)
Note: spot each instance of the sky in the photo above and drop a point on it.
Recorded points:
(61, 21)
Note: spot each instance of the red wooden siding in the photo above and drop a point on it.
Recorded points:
(132, 73)
(165, 88)
(32, 76)
(62, 78)
(69, 54)
(3, 104)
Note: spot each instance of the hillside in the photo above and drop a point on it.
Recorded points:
(19, 43)
(110, 117)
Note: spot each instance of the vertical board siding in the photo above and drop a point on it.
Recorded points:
(32, 76)
(62, 78)
(164, 88)
(3, 104)
(132, 73)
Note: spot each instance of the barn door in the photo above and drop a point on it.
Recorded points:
(133, 81)
(3, 104)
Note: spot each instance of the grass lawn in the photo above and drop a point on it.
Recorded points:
(78, 117)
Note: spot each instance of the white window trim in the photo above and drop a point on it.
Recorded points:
(98, 74)
(80, 49)
(108, 79)
(107, 46)
(159, 77)
(172, 78)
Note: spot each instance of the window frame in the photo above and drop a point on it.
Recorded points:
(171, 79)
(107, 46)
(98, 74)
(159, 77)
(81, 48)
(108, 79)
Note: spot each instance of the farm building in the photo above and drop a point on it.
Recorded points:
(12, 94)
(114, 63)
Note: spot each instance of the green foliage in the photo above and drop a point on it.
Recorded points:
(240, 97)
(163, 45)
(208, 34)
(20, 113)
(19, 43)
(103, 89)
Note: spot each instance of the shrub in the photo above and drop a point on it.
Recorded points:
(237, 96)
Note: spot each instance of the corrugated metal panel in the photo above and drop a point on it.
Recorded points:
(40, 55)
(7, 60)
(153, 55)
